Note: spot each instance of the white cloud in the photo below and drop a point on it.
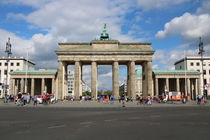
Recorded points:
(35, 47)
(66, 21)
(157, 4)
(155, 67)
(205, 8)
(189, 26)
(80, 20)
(167, 58)
(33, 3)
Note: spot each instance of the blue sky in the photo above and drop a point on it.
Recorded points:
(171, 26)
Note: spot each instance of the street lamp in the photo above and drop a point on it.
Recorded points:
(8, 51)
(201, 52)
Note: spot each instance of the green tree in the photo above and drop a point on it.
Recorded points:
(86, 93)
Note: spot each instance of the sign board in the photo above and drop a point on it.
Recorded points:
(207, 86)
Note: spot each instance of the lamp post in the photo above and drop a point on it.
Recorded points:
(201, 52)
(8, 51)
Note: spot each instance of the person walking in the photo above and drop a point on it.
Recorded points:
(199, 97)
(35, 100)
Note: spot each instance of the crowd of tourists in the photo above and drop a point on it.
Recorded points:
(22, 99)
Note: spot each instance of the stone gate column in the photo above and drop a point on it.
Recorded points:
(149, 78)
(94, 80)
(156, 86)
(177, 85)
(60, 80)
(128, 80)
(115, 79)
(196, 88)
(132, 80)
(65, 82)
(199, 87)
(77, 80)
(144, 84)
(53, 85)
(43, 86)
(18, 86)
(12, 86)
(26, 86)
(22, 85)
(32, 87)
(188, 86)
(167, 84)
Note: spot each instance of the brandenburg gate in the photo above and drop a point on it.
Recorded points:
(105, 52)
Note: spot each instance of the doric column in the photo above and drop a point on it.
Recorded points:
(115, 79)
(128, 80)
(132, 80)
(177, 85)
(196, 87)
(77, 80)
(60, 80)
(144, 76)
(26, 85)
(12, 86)
(149, 78)
(18, 86)
(32, 86)
(65, 82)
(156, 87)
(199, 87)
(22, 85)
(53, 85)
(94, 80)
(167, 84)
(188, 86)
(43, 86)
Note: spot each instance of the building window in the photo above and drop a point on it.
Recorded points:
(5, 72)
(191, 64)
(12, 64)
(209, 73)
(197, 64)
(6, 64)
(204, 64)
(204, 71)
(205, 81)
(0, 64)
(18, 64)
(180, 67)
(198, 70)
(11, 70)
